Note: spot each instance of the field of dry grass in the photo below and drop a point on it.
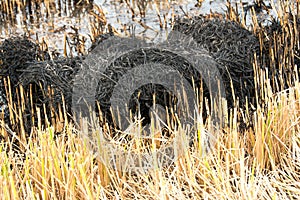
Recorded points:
(263, 162)
(260, 164)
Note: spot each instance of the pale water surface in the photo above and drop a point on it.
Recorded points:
(150, 19)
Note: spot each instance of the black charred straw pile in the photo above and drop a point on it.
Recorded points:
(232, 46)
(144, 94)
(16, 54)
(44, 81)
(58, 74)
(229, 44)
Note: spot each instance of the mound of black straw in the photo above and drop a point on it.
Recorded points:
(228, 43)
(16, 54)
(43, 80)
(232, 46)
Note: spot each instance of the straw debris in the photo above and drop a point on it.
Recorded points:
(42, 80)
(232, 46)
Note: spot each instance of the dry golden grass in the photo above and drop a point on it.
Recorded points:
(261, 163)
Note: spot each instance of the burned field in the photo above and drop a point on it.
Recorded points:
(45, 81)
(28, 75)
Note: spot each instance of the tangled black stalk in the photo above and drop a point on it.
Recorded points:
(232, 46)
(16, 54)
(25, 64)
(143, 96)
